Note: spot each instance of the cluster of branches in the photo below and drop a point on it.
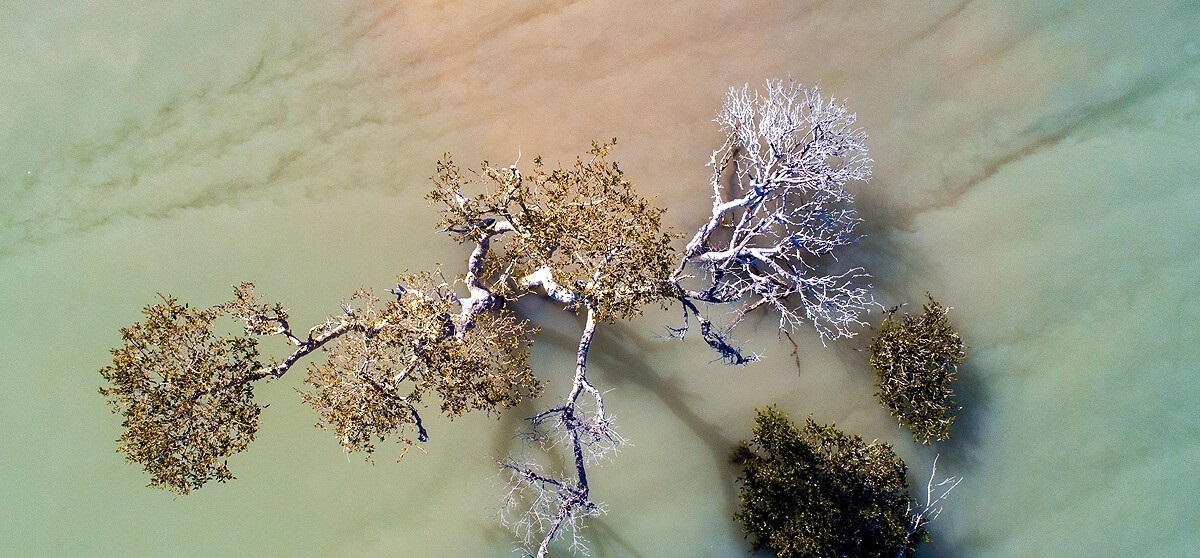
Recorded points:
(817, 491)
(780, 211)
(583, 238)
(577, 235)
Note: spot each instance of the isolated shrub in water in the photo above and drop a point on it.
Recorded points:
(819, 492)
(916, 360)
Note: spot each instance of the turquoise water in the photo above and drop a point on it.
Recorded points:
(1035, 168)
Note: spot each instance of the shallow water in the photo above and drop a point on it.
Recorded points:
(1035, 168)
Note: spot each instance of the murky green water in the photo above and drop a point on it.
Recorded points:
(1036, 168)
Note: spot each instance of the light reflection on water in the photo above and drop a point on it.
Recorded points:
(1033, 169)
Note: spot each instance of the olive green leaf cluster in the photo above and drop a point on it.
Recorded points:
(916, 360)
(818, 492)
(186, 395)
(584, 223)
(368, 389)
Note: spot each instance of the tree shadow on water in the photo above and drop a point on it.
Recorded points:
(622, 358)
(608, 542)
(961, 451)
(902, 270)
(618, 357)
(559, 330)
(622, 355)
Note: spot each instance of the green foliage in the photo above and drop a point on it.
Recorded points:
(185, 394)
(585, 223)
(376, 374)
(357, 392)
(818, 492)
(487, 369)
(916, 360)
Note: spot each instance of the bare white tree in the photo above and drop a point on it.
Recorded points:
(780, 211)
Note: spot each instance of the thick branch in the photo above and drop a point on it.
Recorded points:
(306, 347)
(481, 298)
(712, 335)
(543, 278)
(422, 434)
(580, 382)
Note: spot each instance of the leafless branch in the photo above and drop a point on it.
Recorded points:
(936, 492)
(548, 506)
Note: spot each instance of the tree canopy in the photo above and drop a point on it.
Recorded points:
(916, 360)
(579, 235)
(817, 492)
(582, 231)
(187, 395)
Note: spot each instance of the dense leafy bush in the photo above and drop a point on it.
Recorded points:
(819, 492)
(916, 361)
